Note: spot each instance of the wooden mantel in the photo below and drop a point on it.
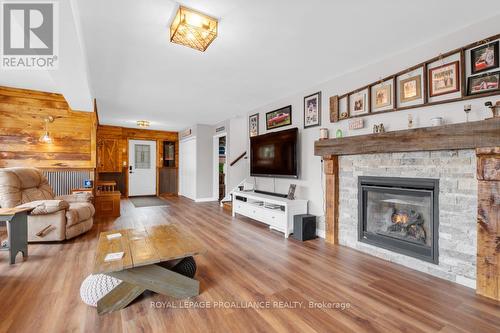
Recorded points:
(484, 136)
(484, 133)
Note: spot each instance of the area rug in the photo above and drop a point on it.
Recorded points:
(140, 202)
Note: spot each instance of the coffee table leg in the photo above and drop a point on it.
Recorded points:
(160, 280)
(18, 236)
(118, 298)
(137, 280)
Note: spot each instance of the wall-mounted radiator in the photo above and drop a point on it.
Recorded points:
(64, 181)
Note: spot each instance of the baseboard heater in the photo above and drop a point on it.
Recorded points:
(63, 181)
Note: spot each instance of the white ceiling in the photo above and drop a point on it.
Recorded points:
(266, 50)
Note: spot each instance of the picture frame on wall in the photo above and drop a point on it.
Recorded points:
(482, 83)
(343, 107)
(312, 110)
(444, 79)
(410, 89)
(279, 118)
(358, 103)
(382, 95)
(253, 125)
(484, 58)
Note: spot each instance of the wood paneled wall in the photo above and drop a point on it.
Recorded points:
(123, 134)
(22, 114)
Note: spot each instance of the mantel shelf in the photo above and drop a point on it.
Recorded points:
(484, 133)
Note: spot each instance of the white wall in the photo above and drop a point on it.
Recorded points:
(309, 185)
(196, 164)
(204, 160)
(187, 167)
(237, 144)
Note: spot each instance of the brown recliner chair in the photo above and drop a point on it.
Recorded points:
(52, 218)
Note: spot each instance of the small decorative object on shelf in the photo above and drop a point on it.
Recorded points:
(356, 123)
(338, 134)
(410, 120)
(323, 134)
(379, 128)
(495, 109)
(437, 121)
(291, 192)
(467, 109)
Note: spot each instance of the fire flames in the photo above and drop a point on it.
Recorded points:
(400, 218)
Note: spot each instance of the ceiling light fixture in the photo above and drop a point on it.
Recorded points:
(143, 123)
(45, 138)
(193, 29)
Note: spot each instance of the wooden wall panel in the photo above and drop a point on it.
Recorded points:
(22, 114)
(123, 134)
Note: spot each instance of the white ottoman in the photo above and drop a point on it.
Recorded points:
(95, 287)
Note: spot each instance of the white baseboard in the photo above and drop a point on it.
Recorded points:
(205, 199)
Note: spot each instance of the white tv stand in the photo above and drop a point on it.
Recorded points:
(258, 207)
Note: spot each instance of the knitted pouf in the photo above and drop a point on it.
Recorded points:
(95, 287)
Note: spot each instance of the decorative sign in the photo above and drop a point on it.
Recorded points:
(356, 123)
(220, 129)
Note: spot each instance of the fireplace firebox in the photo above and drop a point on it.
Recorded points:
(400, 214)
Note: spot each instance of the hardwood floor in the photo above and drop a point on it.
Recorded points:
(245, 263)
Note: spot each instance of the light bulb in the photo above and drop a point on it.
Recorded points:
(46, 138)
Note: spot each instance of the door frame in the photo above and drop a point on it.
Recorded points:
(215, 173)
(155, 163)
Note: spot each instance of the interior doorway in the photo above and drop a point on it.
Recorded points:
(142, 167)
(220, 166)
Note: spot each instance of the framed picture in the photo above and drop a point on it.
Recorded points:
(253, 125)
(444, 79)
(312, 110)
(343, 107)
(382, 96)
(279, 118)
(484, 58)
(410, 89)
(358, 103)
(483, 83)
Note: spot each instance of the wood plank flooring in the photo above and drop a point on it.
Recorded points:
(245, 262)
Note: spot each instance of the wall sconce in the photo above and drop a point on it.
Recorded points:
(45, 138)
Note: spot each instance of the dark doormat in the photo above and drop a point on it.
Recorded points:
(147, 201)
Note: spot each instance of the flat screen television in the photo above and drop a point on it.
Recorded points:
(275, 154)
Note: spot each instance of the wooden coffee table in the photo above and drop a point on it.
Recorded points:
(139, 270)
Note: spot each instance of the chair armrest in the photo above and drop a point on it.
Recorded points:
(76, 197)
(45, 207)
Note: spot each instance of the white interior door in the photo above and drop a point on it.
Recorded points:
(141, 167)
(187, 168)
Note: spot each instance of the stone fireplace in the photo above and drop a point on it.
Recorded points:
(440, 186)
(400, 214)
(465, 157)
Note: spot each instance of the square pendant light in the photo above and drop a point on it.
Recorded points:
(193, 29)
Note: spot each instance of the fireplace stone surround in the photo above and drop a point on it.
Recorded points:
(456, 171)
(482, 136)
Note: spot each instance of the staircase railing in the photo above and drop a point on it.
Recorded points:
(237, 159)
